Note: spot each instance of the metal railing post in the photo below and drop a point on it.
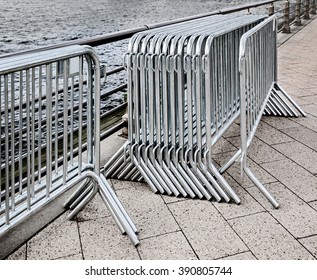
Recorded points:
(286, 28)
(313, 7)
(298, 20)
(306, 9)
(271, 9)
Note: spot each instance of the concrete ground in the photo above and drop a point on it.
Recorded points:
(284, 157)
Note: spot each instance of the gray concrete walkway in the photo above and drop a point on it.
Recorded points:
(283, 155)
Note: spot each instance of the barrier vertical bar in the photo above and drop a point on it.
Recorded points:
(6, 150)
(12, 140)
(49, 129)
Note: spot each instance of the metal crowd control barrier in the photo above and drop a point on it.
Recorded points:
(260, 92)
(184, 93)
(42, 154)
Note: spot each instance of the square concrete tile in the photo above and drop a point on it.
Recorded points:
(57, 240)
(235, 171)
(298, 83)
(310, 243)
(259, 151)
(72, 257)
(102, 240)
(232, 131)
(248, 204)
(263, 176)
(246, 256)
(313, 204)
(279, 122)
(19, 254)
(223, 146)
(148, 211)
(271, 135)
(294, 214)
(170, 246)
(311, 99)
(171, 198)
(310, 109)
(267, 239)
(294, 177)
(206, 230)
(295, 91)
(308, 122)
(121, 184)
(303, 135)
(300, 154)
(96, 208)
(115, 142)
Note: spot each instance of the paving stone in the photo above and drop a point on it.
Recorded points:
(303, 77)
(248, 204)
(308, 122)
(19, 254)
(206, 230)
(313, 204)
(311, 98)
(148, 211)
(171, 199)
(296, 178)
(232, 131)
(243, 257)
(298, 83)
(300, 154)
(102, 240)
(294, 214)
(115, 142)
(310, 243)
(121, 184)
(303, 135)
(96, 208)
(310, 109)
(72, 257)
(235, 171)
(170, 246)
(271, 135)
(223, 146)
(267, 239)
(295, 91)
(259, 151)
(57, 240)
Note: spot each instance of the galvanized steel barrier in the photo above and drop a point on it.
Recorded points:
(184, 93)
(42, 155)
(260, 92)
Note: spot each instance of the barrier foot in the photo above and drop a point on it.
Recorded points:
(261, 187)
(84, 201)
(76, 194)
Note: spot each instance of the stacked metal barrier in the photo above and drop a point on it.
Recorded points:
(42, 154)
(183, 94)
(168, 70)
(260, 92)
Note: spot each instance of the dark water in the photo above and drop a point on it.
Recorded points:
(33, 23)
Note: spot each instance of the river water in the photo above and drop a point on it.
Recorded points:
(34, 23)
